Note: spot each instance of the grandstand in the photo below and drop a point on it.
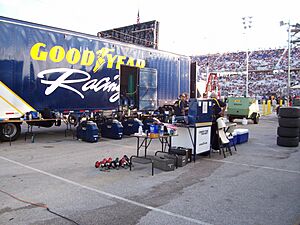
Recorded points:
(267, 71)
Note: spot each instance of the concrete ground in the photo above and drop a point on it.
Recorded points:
(258, 185)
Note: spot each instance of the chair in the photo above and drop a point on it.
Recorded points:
(223, 140)
(229, 133)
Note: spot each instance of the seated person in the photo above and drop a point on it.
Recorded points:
(181, 106)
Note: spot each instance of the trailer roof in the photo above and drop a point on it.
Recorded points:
(84, 35)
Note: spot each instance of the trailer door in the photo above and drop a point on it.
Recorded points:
(148, 89)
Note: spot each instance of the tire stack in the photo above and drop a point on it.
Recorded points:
(289, 127)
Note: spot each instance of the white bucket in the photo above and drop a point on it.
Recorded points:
(245, 121)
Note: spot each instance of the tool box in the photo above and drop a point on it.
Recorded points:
(162, 162)
(179, 160)
(180, 151)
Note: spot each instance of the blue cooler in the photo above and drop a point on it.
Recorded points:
(232, 139)
(242, 135)
(112, 129)
(131, 126)
(87, 131)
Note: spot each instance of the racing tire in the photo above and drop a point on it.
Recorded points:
(288, 141)
(10, 131)
(289, 122)
(288, 132)
(289, 112)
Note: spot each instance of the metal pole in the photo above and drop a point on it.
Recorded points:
(289, 65)
(247, 72)
(247, 21)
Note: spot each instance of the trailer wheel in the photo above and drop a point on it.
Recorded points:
(230, 118)
(255, 118)
(288, 141)
(72, 119)
(10, 131)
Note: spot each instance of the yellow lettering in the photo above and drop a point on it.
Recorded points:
(73, 56)
(130, 62)
(140, 63)
(100, 58)
(57, 53)
(120, 61)
(87, 58)
(36, 53)
(110, 60)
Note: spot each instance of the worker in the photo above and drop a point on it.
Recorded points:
(218, 111)
(181, 105)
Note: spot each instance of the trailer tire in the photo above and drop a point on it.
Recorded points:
(10, 131)
(289, 112)
(289, 122)
(288, 141)
(72, 119)
(288, 131)
(230, 118)
(255, 118)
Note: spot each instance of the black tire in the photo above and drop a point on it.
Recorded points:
(10, 131)
(255, 118)
(289, 122)
(230, 118)
(289, 112)
(288, 141)
(288, 132)
(72, 119)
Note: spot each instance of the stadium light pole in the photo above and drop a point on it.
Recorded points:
(289, 61)
(247, 24)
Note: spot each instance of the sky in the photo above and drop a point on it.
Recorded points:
(189, 27)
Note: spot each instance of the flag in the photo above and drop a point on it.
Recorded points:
(138, 17)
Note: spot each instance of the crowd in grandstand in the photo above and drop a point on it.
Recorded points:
(267, 71)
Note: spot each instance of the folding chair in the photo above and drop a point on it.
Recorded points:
(229, 133)
(223, 140)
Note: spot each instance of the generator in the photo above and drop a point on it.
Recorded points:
(131, 126)
(200, 111)
(243, 107)
(87, 131)
(112, 129)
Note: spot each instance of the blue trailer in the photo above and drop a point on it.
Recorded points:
(44, 67)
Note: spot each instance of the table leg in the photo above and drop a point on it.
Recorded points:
(138, 147)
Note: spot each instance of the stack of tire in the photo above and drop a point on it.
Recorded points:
(289, 127)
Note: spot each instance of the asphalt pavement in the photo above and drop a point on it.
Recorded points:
(258, 185)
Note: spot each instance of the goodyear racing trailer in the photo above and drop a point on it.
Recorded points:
(63, 71)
